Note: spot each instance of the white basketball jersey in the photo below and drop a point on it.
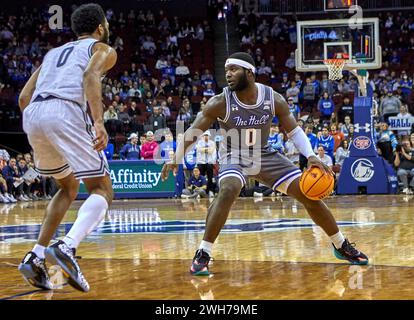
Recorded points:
(62, 71)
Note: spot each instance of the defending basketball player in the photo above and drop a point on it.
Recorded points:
(54, 104)
(246, 99)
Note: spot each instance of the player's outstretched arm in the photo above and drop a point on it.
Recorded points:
(215, 108)
(296, 134)
(103, 59)
(28, 90)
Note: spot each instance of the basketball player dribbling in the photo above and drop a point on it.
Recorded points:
(244, 102)
(54, 105)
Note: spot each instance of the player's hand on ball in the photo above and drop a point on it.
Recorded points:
(166, 170)
(313, 161)
(101, 139)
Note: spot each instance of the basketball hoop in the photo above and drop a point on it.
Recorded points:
(335, 67)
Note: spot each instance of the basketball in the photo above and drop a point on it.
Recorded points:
(315, 184)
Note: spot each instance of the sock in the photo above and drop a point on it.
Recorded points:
(206, 246)
(338, 239)
(90, 214)
(39, 250)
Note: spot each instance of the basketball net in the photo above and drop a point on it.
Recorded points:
(335, 67)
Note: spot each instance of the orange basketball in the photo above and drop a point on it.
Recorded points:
(315, 184)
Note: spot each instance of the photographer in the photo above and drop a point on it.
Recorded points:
(197, 186)
(404, 162)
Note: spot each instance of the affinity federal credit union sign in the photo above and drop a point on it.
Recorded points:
(137, 179)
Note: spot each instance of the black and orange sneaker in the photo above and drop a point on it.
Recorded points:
(60, 254)
(348, 252)
(34, 271)
(199, 267)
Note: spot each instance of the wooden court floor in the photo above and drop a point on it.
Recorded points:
(269, 249)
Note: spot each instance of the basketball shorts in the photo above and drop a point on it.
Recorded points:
(272, 169)
(60, 133)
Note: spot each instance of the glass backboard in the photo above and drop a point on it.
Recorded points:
(356, 41)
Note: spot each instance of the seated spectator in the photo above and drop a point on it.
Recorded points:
(182, 70)
(196, 186)
(293, 108)
(165, 110)
(326, 107)
(149, 45)
(112, 124)
(142, 140)
(386, 141)
(5, 196)
(161, 63)
(342, 153)
(130, 151)
(275, 139)
(291, 62)
(26, 187)
(337, 135)
(404, 114)
(327, 142)
(109, 150)
(317, 125)
(149, 148)
(170, 104)
(309, 95)
(134, 92)
(264, 69)
(404, 162)
(168, 72)
(346, 126)
(124, 117)
(285, 84)
(207, 78)
(187, 52)
(157, 119)
(346, 109)
(209, 92)
(11, 175)
(184, 115)
(327, 85)
(395, 58)
(389, 106)
(167, 147)
(406, 85)
(293, 92)
(323, 157)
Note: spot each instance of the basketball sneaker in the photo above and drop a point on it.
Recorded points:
(34, 271)
(59, 253)
(199, 267)
(348, 252)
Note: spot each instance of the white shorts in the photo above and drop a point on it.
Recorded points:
(60, 133)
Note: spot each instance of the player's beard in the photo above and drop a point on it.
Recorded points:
(105, 36)
(242, 83)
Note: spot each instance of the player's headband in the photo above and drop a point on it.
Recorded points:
(240, 63)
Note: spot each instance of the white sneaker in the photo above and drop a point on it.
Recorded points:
(22, 198)
(257, 195)
(406, 191)
(4, 199)
(10, 197)
(211, 194)
(184, 196)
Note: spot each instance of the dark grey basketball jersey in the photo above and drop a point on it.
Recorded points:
(246, 126)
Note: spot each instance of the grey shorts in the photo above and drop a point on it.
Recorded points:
(270, 168)
(60, 133)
